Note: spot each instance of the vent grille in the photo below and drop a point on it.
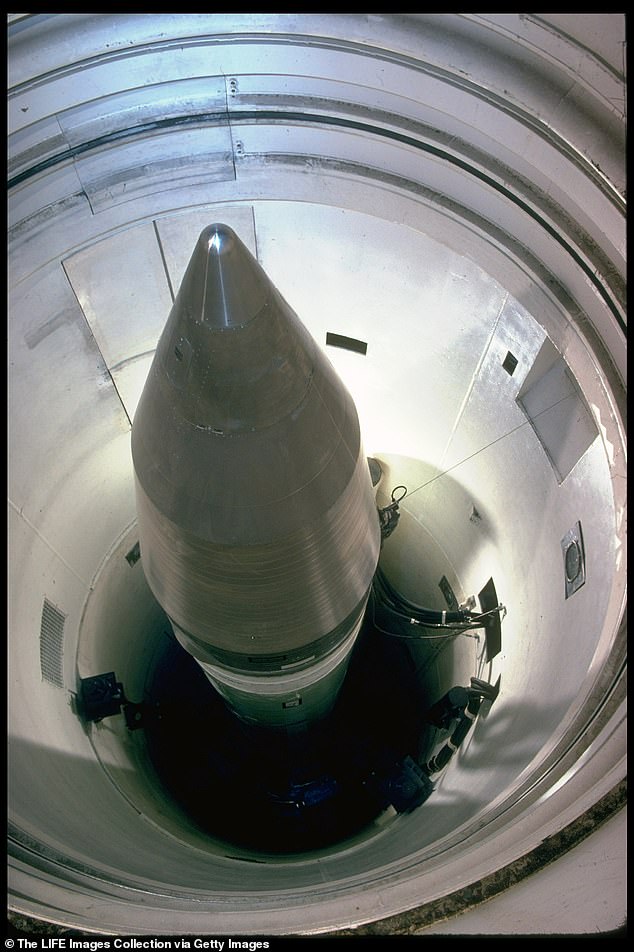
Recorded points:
(52, 644)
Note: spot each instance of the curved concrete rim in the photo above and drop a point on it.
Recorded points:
(406, 126)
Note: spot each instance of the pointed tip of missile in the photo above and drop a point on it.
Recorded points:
(218, 240)
(233, 352)
(224, 285)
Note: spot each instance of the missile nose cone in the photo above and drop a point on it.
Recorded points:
(235, 355)
(223, 284)
(257, 522)
(219, 238)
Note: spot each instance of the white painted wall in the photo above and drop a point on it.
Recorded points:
(457, 209)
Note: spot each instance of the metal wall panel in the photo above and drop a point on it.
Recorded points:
(148, 165)
(122, 287)
(178, 235)
(548, 231)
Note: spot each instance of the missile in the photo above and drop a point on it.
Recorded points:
(258, 527)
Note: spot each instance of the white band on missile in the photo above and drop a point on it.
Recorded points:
(276, 683)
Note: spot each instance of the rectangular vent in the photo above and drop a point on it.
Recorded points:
(134, 554)
(347, 343)
(52, 644)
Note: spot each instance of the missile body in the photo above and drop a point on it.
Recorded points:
(257, 522)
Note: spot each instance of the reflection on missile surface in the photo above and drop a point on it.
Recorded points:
(258, 526)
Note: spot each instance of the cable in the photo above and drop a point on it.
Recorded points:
(488, 445)
(395, 616)
(389, 596)
(447, 631)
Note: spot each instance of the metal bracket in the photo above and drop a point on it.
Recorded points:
(103, 696)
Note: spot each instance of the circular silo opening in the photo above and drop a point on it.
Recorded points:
(483, 299)
(170, 741)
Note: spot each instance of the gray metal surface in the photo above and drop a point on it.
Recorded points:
(258, 527)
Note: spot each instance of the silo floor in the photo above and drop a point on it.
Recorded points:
(276, 793)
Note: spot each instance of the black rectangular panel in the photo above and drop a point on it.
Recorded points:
(347, 343)
(448, 592)
(493, 629)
